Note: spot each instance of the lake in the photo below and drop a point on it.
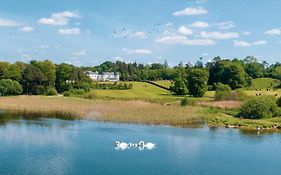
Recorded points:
(53, 146)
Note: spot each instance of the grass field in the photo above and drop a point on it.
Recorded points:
(143, 91)
(264, 83)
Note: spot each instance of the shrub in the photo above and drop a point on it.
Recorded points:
(51, 91)
(83, 85)
(184, 101)
(77, 91)
(10, 87)
(222, 91)
(260, 107)
(66, 93)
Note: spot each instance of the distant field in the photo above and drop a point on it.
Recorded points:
(264, 83)
(144, 91)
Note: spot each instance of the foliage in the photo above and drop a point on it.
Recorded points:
(179, 86)
(113, 86)
(66, 94)
(279, 102)
(51, 91)
(184, 101)
(197, 82)
(10, 87)
(222, 91)
(260, 107)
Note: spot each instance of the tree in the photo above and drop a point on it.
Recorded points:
(10, 87)
(4, 66)
(14, 72)
(255, 70)
(197, 82)
(235, 76)
(179, 86)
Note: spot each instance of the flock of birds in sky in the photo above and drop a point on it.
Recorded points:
(125, 33)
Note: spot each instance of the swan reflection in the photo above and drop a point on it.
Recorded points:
(141, 145)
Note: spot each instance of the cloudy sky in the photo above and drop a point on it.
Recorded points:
(88, 32)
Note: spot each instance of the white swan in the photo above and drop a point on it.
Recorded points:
(121, 145)
(150, 145)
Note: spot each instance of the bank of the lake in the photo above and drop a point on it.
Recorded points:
(132, 112)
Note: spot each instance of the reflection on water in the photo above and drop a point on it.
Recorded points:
(53, 146)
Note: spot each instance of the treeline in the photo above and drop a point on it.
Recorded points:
(219, 69)
(40, 77)
(45, 77)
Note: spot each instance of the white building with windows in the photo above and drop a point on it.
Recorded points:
(105, 76)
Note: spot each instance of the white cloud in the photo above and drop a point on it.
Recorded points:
(26, 29)
(241, 43)
(200, 24)
(273, 32)
(246, 33)
(59, 19)
(137, 51)
(79, 53)
(219, 35)
(8, 23)
(140, 34)
(179, 39)
(169, 24)
(260, 42)
(185, 31)
(191, 11)
(225, 25)
(71, 31)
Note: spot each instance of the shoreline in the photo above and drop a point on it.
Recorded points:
(134, 112)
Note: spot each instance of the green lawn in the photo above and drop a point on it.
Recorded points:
(144, 91)
(264, 83)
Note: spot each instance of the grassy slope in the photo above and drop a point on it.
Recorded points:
(145, 91)
(264, 83)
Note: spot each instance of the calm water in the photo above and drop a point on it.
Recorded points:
(52, 146)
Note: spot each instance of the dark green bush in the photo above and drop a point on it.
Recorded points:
(260, 107)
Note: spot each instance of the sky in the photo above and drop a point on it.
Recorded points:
(89, 32)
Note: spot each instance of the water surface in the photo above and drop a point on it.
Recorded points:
(53, 146)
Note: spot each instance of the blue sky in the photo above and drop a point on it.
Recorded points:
(89, 32)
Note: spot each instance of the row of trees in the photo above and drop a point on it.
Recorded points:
(45, 77)
(40, 77)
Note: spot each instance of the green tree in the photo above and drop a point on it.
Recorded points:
(235, 76)
(179, 86)
(14, 72)
(197, 82)
(10, 87)
(4, 66)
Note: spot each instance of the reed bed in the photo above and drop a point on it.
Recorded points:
(103, 110)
